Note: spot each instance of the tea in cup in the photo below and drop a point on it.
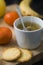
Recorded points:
(31, 37)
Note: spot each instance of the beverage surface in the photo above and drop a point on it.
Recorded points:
(29, 25)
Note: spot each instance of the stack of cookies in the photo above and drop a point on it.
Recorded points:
(18, 54)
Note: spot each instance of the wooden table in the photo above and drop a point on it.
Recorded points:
(37, 53)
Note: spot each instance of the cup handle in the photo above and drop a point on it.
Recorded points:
(42, 35)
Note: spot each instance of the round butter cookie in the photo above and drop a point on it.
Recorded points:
(11, 54)
(26, 55)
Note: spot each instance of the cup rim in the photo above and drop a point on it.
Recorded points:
(26, 30)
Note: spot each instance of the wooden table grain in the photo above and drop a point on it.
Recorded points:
(37, 53)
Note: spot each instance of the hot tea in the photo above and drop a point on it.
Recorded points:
(29, 25)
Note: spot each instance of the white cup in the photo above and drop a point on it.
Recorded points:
(28, 39)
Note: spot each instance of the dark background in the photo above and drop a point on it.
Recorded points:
(37, 5)
(9, 2)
